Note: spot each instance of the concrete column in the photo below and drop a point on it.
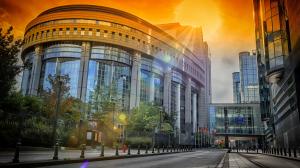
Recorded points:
(188, 116)
(178, 107)
(152, 89)
(194, 109)
(135, 81)
(36, 71)
(167, 90)
(83, 72)
(202, 109)
(25, 81)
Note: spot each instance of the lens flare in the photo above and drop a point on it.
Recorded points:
(85, 164)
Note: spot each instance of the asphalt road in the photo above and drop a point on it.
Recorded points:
(198, 159)
(266, 161)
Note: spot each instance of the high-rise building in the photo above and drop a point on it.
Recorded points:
(277, 27)
(112, 55)
(236, 87)
(249, 78)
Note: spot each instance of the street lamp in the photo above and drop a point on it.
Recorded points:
(57, 108)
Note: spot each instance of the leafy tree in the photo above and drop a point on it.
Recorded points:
(9, 49)
(147, 118)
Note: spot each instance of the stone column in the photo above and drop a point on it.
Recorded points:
(83, 71)
(188, 116)
(178, 104)
(152, 89)
(36, 71)
(178, 110)
(202, 109)
(167, 90)
(194, 109)
(135, 81)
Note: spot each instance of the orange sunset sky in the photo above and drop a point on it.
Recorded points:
(227, 25)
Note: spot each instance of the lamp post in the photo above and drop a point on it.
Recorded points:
(57, 108)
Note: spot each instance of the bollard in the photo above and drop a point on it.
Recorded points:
(158, 149)
(284, 150)
(55, 157)
(139, 148)
(256, 150)
(82, 151)
(295, 152)
(102, 150)
(152, 149)
(290, 152)
(247, 150)
(146, 151)
(117, 150)
(167, 149)
(163, 149)
(281, 151)
(128, 151)
(17, 153)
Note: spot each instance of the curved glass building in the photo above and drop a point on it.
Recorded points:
(109, 54)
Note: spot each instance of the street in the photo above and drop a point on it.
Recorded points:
(201, 158)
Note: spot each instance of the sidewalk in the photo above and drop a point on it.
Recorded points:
(25, 156)
(271, 161)
(237, 161)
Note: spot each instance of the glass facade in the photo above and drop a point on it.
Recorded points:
(277, 43)
(61, 60)
(237, 119)
(249, 78)
(151, 81)
(236, 83)
(27, 73)
(109, 75)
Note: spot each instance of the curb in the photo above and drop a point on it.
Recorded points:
(69, 161)
(222, 163)
(254, 162)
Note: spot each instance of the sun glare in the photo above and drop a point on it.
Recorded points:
(205, 14)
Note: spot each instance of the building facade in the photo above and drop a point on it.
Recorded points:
(108, 55)
(236, 87)
(248, 77)
(277, 42)
(237, 122)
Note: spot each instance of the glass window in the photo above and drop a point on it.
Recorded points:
(276, 23)
(271, 49)
(269, 25)
(108, 81)
(63, 50)
(64, 67)
(82, 32)
(278, 47)
(279, 60)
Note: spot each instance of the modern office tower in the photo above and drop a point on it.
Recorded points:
(236, 87)
(277, 28)
(111, 55)
(249, 78)
(237, 124)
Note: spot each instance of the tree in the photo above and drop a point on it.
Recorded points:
(147, 117)
(9, 49)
